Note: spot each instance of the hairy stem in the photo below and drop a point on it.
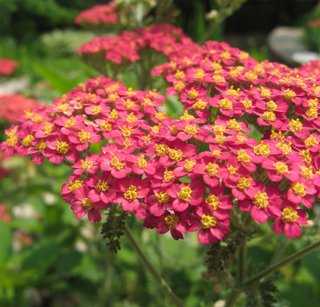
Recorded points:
(280, 264)
(151, 269)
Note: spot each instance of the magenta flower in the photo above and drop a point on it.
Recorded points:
(85, 204)
(289, 220)
(89, 165)
(130, 191)
(302, 191)
(116, 163)
(69, 188)
(84, 137)
(159, 202)
(185, 194)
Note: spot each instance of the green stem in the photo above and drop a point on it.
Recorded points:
(284, 262)
(241, 270)
(160, 281)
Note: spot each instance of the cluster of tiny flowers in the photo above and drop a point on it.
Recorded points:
(185, 175)
(127, 47)
(7, 66)
(99, 14)
(4, 216)
(314, 23)
(13, 105)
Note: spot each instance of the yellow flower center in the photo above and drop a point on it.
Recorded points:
(126, 131)
(313, 103)
(261, 200)
(265, 92)
(27, 140)
(271, 106)
(299, 189)
(87, 203)
(113, 97)
(74, 185)
(312, 112)
(234, 125)
(185, 194)
(218, 129)
(105, 126)
(162, 150)
(179, 75)
(37, 118)
(142, 162)
(96, 110)
(188, 166)
(286, 148)
(306, 157)
(281, 168)
(247, 104)
(179, 86)
(244, 183)
(131, 118)
(129, 104)
(234, 93)
(83, 136)
(208, 221)
(232, 170)
(218, 79)
(225, 55)
(102, 186)
(225, 104)
(276, 136)
(163, 197)
(191, 130)
(116, 164)
(27, 114)
(269, 116)
(213, 201)
(311, 141)
(175, 155)
(186, 116)
(241, 137)
(289, 215)
(295, 125)
(288, 94)
(11, 133)
(160, 115)
(127, 143)
(62, 148)
(262, 150)
(48, 128)
(63, 107)
(131, 193)
(168, 176)
(219, 138)
(171, 220)
(216, 66)
(243, 55)
(156, 129)
(41, 146)
(251, 75)
(212, 169)
(86, 164)
(200, 105)
(307, 172)
(174, 130)
(69, 123)
(243, 156)
(114, 114)
(193, 94)
(199, 75)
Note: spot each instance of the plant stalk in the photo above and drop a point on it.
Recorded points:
(288, 260)
(160, 281)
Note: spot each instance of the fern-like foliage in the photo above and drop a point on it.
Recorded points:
(113, 228)
(262, 293)
(220, 251)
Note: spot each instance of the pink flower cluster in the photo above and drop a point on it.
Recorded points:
(99, 14)
(128, 47)
(184, 175)
(13, 105)
(7, 66)
(4, 216)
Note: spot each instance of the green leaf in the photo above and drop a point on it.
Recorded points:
(5, 243)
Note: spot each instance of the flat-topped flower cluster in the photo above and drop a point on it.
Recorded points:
(183, 175)
(7, 66)
(128, 47)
